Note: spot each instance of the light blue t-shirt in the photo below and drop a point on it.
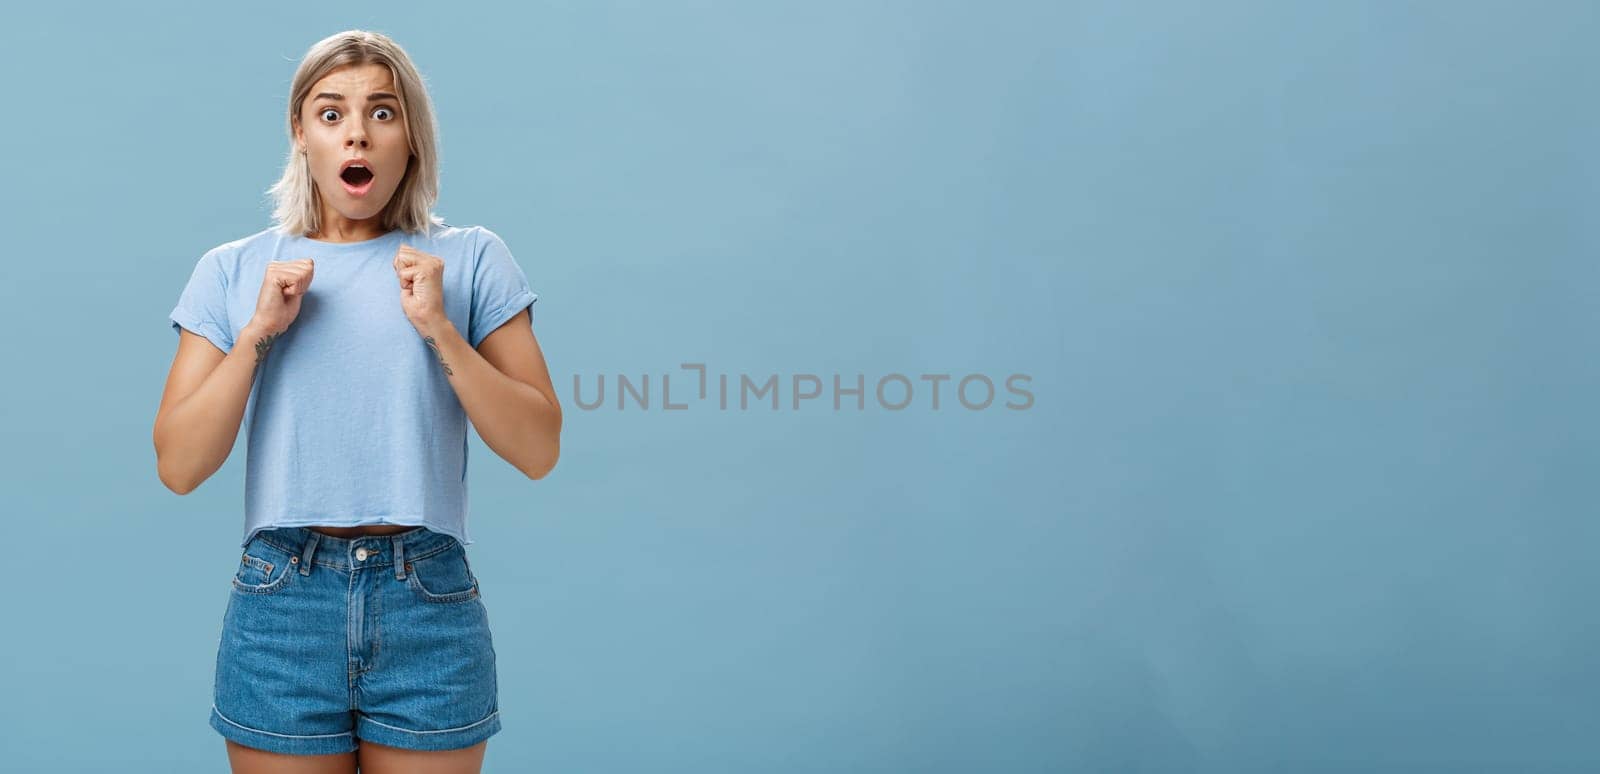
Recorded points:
(351, 419)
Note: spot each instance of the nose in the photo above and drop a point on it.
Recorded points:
(357, 135)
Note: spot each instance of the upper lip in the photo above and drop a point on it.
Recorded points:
(348, 163)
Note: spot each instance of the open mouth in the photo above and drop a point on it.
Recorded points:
(357, 180)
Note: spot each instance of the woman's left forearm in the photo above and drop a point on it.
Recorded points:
(516, 420)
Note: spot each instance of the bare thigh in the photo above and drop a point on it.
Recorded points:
(249, 760)
(382, 759)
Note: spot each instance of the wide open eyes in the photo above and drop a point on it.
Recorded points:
(381, 113)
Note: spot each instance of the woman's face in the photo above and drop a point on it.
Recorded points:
(353, 114)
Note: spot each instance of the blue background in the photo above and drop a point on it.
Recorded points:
(1305, 291)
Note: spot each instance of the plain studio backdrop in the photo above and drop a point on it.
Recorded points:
(1303, 292)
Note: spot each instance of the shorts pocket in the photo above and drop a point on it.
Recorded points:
(443, 577)
(264, 568)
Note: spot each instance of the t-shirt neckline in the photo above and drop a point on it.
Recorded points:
(321, 245)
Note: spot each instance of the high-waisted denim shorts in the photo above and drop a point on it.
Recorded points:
(328, 640)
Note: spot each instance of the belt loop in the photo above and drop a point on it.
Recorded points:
(399, 558)
(305, 557)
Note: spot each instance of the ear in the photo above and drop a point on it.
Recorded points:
(299, 137)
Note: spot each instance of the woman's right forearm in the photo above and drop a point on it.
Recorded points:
(195, 435)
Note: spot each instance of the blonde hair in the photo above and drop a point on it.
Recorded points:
(298, 204)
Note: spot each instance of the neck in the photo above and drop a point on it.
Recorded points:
(338, 228)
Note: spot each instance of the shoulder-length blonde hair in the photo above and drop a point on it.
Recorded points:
(298, 207)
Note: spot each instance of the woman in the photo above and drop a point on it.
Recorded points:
(355, 338)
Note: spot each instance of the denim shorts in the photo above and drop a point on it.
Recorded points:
(328, 640)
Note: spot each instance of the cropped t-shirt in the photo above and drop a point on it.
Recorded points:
(351, 419)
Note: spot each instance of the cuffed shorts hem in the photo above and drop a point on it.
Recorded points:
(444, 739)
(288, 744)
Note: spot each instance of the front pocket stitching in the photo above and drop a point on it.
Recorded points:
(454, 596)
(266, 588)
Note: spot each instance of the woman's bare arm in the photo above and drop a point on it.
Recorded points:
(504, 386)
(203, 405)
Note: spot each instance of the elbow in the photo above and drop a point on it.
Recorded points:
(541, 467)
(178, 467)
(549, 449)
(536, 472)
(169, 477)
(177, 485)
(174, 480)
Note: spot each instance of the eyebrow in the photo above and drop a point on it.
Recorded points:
(373, 97)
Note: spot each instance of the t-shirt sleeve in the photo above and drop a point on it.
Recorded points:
(203, 305)
(499, 288)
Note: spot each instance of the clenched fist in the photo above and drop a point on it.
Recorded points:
(282, 287)
(421, 286)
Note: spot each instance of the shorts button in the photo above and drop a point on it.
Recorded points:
(361, 554)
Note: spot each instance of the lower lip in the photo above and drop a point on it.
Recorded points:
(358, 190)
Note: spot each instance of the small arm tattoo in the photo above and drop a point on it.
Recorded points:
(263, 346)
(436, 352)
